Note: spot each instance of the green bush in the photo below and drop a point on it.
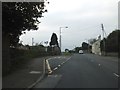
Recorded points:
(19, 57)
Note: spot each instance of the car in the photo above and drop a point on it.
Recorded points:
(80, 51)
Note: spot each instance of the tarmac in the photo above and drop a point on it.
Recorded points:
(26, 77)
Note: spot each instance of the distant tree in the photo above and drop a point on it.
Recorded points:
(54, 40)
(66, 50)
(77, 49)
(18, 17)
(91, 41)
(111, 42)
(85, 46)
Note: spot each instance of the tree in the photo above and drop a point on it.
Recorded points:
(54, 40)
(20, 16)
(112, 41)
(85, 46)
(91, 41)
(77, 49)
(16, 18)
(66, 50)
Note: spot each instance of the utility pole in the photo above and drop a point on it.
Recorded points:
(32, 41)
(60, 36)
(103, 31)
(60, 39)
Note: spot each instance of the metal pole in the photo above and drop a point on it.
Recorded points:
(103, 38)
(60, 38)
(32, 41)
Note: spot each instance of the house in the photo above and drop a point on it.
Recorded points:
(96, 46)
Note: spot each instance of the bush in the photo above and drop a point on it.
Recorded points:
(19, 57)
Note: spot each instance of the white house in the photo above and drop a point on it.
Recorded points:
(96, 46)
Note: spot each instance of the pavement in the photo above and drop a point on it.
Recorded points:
(26, 77)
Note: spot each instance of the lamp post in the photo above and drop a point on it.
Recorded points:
(60, 36)
(32, 41)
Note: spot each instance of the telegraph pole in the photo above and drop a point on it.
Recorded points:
(103, 31)
(60, 39)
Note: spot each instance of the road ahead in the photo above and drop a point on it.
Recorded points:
(83, 71)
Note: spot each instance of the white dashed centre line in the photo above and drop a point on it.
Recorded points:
(55, 68)
(99, 64)
(116, 74)
(59, 65)
(34, 72)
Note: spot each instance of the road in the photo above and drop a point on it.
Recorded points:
(82, 71)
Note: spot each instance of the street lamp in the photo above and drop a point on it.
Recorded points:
(60, 36)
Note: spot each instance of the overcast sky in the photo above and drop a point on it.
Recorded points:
(82, 17)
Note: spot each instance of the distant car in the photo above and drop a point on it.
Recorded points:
(80, 51)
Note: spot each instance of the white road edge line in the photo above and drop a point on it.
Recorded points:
(116, 74)
(48, 66)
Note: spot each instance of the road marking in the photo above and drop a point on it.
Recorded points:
(116, 74)
(63, 62)
(99, 64)
(55, 68)
(58, 57)
(69, 58)
(35, 72)
(59, 65)
(49, 58)
(48, 67)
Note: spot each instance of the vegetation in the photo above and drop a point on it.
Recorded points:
(85, 46)
(111, 42)
(91, 41)
(16, 18)
(54, 40)
(54, 48)
(77, 49)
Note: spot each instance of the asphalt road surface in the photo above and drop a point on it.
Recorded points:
(82, 71)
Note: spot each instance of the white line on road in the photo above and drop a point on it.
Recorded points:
(59, 65)
(58, 57)
(55, 68)
(69, 58)
(99, 64)
(49, 58)
(35, 72)
(116, 74)
(48, 67)
(62, 62)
